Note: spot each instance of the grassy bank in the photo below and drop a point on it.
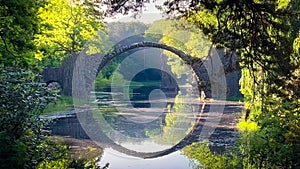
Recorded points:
(63, 103)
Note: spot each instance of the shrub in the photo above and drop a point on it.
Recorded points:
(23, 97)
(276, 143)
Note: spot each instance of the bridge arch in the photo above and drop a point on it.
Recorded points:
(98, 63)
(188, 59)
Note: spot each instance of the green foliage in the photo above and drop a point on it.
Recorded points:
(66, 160)
(234, 30)
(297, 45)
(101, 82)
(59, 164)
(206, 159)
(22, 99)
(247, 126)
(276, 143)
(18, 25)
(23, 27)
(247, 85)
(70, 164)
(24, 143)
(262, 33)
(270, 137)
(62, 104)
(66, 26)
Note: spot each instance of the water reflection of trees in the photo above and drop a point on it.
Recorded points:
(201, 157)
(177, 124)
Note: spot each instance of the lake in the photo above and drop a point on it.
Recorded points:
(138, 136)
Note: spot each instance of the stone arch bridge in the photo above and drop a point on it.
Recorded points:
(63, 75)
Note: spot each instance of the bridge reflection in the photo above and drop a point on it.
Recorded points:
(223, 135)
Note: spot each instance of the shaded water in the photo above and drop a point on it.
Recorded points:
(147, 132)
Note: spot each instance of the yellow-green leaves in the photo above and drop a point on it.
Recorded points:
(66, 28)
(247, 126)
(283, 4)
(297, 44)
(205, 17)
(39, 55)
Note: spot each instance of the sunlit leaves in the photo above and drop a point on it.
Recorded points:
(297, 44)
(204, 18)
(66, 28)
(255, 30)
(283, 4)
(248, 126)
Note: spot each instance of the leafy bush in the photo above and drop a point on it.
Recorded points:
(23, 98)
(276, 144)
(23, 141)
(69, 164)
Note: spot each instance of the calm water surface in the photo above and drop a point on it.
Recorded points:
(117, 160)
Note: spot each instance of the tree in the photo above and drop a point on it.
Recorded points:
(19, 24)
(23, 96)
(259, 31)
(66, 26)
(24, 142)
